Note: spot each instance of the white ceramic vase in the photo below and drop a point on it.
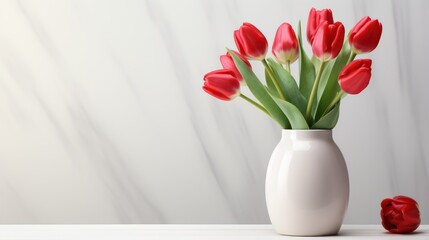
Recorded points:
(307, 184)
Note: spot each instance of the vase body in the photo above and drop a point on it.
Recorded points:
(307, 184)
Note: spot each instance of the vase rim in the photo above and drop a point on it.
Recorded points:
(307, 130)
(307, 134)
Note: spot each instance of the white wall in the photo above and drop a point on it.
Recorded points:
(103, 120)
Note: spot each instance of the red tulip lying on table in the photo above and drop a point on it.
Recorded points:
(400, 214)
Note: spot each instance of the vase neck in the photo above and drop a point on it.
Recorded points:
(306, 134)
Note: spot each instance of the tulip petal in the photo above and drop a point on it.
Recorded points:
(251, 43)
(320, 45)
(328, 41)
(315, 18)
(226, 64)
(355, 77)
(227, 86)
(238, 42)
(368, 38)
(216, 94)
(285, 46)
(404, 199)
(222, 84)
(361, 23)
(365, 35)
(411, 213)
(311, 25)
(326, 15)
(337, 42)
(354, 65)
(356, 82)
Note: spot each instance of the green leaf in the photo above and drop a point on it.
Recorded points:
(270, 85)
(307, 73)
(288, 86)
(259, 91)
(329, 120)
(324, 78)
(332, 87)
(296, 119)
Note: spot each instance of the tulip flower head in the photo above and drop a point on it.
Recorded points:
(328, 40)
(354, 78)
(222, 84)
(311, 99)
(228, 63)
(315, 18)
(251, 43)
(400, 214)
(285, 46)
(365, 35)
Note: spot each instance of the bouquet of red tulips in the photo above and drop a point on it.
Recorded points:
(324, 79)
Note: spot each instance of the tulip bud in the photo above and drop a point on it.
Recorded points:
(251, 43)
(285, 46)
(400, 214)
(315, 18)
(328, 40)
(222, 84)
(355, 76)
(228, 63)
(365, 35)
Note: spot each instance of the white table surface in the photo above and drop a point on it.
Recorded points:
(181, 232)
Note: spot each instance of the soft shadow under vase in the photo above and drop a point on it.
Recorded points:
(307, 184)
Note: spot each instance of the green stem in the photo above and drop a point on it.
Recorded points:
(351, 57)
(314, 90)
(334, 102)
(254, 103)
(288, 66)
(275, 80)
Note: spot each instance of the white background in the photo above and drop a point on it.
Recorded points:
(103, 120)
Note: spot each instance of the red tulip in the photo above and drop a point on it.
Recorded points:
(365, 35)
(400, 214)
(222, 84)
(328, 40)
(228, 63)
(355, 76)
(285, 46)
(315, 18)
(251, 43)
